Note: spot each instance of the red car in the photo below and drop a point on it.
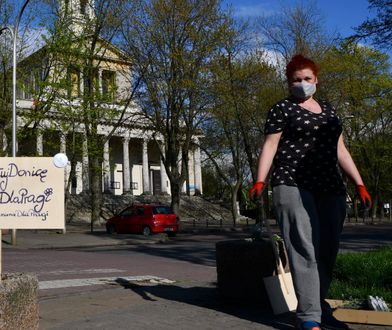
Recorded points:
(145, 219)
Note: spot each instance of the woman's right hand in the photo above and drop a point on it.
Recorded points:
(256, 190)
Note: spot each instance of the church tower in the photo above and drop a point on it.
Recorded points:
(77, 14)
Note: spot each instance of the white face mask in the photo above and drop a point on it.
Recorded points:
(304, 90)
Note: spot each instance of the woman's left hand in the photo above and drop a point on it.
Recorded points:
(364, 195)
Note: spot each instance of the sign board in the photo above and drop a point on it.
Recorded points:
(31, 193)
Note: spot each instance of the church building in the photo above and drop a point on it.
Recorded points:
(131, 158)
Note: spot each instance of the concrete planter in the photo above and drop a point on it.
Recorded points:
(241, 266)
(19, 302)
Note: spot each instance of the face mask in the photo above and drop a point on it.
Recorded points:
(303, 90)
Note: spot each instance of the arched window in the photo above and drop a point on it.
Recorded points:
(83, 7)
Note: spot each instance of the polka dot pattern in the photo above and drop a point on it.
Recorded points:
(307, 151)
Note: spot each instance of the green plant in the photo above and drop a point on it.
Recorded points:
(358, 275)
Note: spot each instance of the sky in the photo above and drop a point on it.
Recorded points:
(339, 15)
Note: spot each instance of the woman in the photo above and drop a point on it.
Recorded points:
(304, 141)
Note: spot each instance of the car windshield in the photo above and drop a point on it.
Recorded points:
(162, 210)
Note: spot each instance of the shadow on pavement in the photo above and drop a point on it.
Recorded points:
(201, 255)
(208, 297)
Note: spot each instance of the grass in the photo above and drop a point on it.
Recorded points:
(358, 275)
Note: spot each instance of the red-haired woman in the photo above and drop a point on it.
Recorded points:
(304, 142)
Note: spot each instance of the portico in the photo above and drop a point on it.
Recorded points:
(131, 164)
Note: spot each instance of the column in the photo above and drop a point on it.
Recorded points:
(163, 178)
(106, 168)
(81, 86)
(179, 164)
(100, 81)
(197, 171)
(190, 174)
(79, 177)
(40, 145)
(85, 169)
(126, 169)
(5, 143)
(146, 172)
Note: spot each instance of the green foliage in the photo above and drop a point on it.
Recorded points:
(171, 43)
(358, 275)
(358, 82)
(213, 185)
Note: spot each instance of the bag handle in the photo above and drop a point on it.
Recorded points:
(274, 248)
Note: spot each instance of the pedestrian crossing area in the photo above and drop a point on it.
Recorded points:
(80, 282)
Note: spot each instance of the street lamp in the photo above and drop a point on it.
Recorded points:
(14, 80)
(14, 33)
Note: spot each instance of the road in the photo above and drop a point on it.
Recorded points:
(183, 259)
(149, 286)
(89, 279)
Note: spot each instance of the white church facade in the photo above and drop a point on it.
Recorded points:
(131, 158)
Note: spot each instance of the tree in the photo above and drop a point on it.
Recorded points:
(74, 52)
(358, 82)
(8, 13)
(171, 43)
(296, 29)
(235, 133)
(378, 29)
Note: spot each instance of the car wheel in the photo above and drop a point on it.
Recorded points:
(111, 229)
(146, 231)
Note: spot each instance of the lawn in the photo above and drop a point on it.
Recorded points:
(358, 275)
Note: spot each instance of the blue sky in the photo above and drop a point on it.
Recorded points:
(339, 15)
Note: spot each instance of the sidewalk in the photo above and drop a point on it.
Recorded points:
(355, 236)
(76, 236)
(187, 306)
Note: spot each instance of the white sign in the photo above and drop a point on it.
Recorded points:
(31, 193)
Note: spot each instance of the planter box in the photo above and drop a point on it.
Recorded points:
(19, 302)
(359, 315)
(241, 266)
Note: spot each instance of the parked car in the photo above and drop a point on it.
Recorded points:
(145, 219)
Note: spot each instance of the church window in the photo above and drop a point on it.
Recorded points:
(83, 7)
(74, 82)
(108, 84)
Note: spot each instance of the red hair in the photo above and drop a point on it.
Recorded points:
(300, 62)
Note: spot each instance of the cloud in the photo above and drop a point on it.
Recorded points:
(247, 11)
(272, 57)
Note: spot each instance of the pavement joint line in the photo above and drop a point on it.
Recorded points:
(60, 284)
(84, 271)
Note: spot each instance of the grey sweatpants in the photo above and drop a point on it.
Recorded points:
(311, 225)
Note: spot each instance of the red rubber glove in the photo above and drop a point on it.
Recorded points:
(256, 190)
(364, 195)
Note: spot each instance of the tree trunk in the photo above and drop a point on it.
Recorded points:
(374, 209)
(234, 209)
(96, 190)
(175, 197)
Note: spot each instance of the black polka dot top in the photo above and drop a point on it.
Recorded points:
(307, 151)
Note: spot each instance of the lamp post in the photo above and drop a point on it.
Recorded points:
(13, 237)
(14, 34)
